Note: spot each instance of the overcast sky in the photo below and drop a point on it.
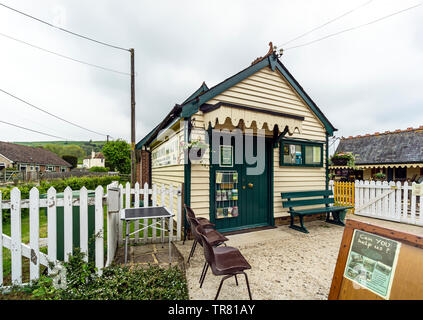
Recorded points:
(364, 81)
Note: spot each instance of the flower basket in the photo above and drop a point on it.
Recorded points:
(340, 161)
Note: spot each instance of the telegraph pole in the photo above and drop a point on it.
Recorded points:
(133, 175)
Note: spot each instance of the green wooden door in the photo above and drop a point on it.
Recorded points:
(253, 205)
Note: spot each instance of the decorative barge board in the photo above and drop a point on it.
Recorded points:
(274, 115)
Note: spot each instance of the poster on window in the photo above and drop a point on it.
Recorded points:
(372, 261)
(166, 154)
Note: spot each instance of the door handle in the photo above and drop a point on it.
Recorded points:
(250, 185)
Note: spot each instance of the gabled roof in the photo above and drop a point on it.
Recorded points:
(170, 117)
(400, 146)
(193, 103)
(25, 154)
(271, 60)
(198, 92)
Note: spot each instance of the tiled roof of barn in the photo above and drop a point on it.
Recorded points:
(399, 146)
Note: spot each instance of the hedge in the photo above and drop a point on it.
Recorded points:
(60, 185)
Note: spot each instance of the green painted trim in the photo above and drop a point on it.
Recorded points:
(308, 202)
(192, 107)
(304, 194)
(187, 174)
(271, 174)
(273, 62)
(200, 90)
(303, 144)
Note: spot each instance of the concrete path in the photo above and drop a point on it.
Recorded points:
(286, 264)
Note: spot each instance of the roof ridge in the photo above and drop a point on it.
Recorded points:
(409, 129)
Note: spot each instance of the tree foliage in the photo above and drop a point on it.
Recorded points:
(118, 156)
(72, 160)
(61, 150)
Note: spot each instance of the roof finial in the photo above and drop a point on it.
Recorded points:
(271, 50)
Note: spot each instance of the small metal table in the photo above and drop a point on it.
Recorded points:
(161, 213)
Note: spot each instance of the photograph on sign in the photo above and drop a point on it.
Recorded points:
(372, 261)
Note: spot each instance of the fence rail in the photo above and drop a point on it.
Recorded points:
(95, 203)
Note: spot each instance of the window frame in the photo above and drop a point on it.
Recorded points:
(303, 145)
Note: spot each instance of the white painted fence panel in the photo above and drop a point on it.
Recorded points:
(113, 200)
(389, 201)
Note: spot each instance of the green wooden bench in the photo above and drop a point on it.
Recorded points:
(312, 198)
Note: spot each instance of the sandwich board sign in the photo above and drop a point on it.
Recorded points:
(378, 261)
(371, 262)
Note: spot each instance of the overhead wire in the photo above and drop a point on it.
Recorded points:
(51, 114)
(63, 56)
(355, 27)
(46, 134)
(326, 23)
(63, 29)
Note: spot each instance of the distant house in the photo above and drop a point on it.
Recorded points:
(398, 154)
(30, 159)
(96, 160)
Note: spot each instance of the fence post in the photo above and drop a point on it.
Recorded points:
(398, 202)
(16, 232)
(68, 223)
(99, 229)
(146, 204)
(154, 203)
(51, 225)
(120, 229)
(34, 233)
(405, 203)
(136, 205)
(83, 221)
(413, 205)
(112, 223)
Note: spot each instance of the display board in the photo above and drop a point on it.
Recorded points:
(377, 263)
(226, 190)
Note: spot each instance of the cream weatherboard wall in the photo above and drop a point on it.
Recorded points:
(268, 90)
(169, 174)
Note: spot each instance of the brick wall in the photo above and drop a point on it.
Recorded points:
(143, 167)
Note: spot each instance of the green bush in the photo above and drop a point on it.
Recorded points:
(99, 169)
(75, 183)
(116, 283)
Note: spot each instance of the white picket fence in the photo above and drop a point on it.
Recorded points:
(114, 200)
(389, 201)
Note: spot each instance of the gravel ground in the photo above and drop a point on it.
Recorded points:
(286, 264)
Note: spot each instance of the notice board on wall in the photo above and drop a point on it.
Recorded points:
(377, 263)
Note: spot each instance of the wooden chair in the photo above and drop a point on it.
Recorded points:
(223, 261)
(214, 237)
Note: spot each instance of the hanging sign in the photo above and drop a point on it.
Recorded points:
(372, 261)
(226, 156)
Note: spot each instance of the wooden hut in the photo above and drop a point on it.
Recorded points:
(278, 121)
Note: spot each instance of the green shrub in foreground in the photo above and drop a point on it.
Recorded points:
(116, 283)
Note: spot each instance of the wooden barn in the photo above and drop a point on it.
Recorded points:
(277, 120)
